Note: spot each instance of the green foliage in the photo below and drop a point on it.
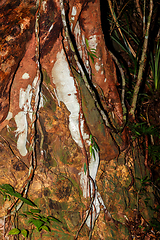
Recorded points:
(126, 33)
(145, 181)
(93, 147)
(154, 153)
(14, 231)
(7, 189)
(142, 129)
(155, 224)
(25, 232)
(39, 221)
(155, 66)
(139, 129)
(34, 217)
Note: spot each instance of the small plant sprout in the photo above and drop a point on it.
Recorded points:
(93, 147)
(91, 52)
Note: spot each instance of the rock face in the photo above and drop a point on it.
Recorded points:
(52, 131)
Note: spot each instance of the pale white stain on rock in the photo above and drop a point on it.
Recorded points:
(25, 76)
(98, 201)
(97, 67)
(21, 131)
(77, 32)
(92, 42)
(73, 14)
(44, 5)
(74, 11)
(25, 97)
(66, 92)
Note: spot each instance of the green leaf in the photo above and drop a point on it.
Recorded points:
(25, 233)
(45, 219)
(87, 43)
(95, 146)
(90, 150)
(27, 201)
(53, 219)
(16, 194)
(36, 222)
(91, 139)
(14, 231)
(85, 168)
(93, 154)
(44, 227)
(93, 50)
(8, 188)
(93, 55)
(28, 213)
(35, 210)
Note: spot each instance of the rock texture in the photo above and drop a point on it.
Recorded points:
(54, 144)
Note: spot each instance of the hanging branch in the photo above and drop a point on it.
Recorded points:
(142, 64)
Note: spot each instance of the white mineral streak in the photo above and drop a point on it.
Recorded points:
(98, 201)
(25, 98)
(44, 5)
(50, 28)
(25, 76)
(66, 92)
(21, 131)
(73, 14)
(97, 67)
(35, 85)
(74, 11)
(93, 42)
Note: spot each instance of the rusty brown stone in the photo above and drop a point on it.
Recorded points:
(57, 185)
